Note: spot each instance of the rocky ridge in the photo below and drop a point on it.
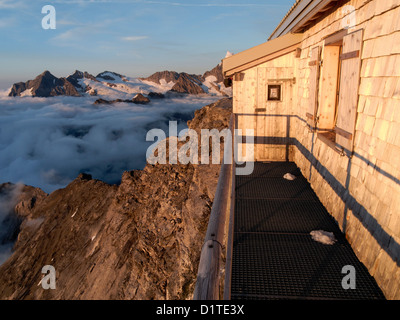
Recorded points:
(45, 85)
(187, 83)
(138, 99)
(168, 76)
(210, 81)
(138, 240)
(215, 72)
(83, 83)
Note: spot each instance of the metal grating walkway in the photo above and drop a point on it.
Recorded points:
(274, 256)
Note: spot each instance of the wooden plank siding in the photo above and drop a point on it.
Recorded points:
(362, 191)
(268, 119)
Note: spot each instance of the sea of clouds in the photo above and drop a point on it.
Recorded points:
(47, 142)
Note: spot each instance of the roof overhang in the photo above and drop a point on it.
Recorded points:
(261, 53)
(302, 14)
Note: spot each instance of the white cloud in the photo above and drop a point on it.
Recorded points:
(134, 38)
(66, 22)
(67, 35)
(70, 38)
(47, 142)
(7, 22)
(79, 34)
(75, 36)
(10, 4)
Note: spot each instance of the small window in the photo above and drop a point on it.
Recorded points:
(274, 92)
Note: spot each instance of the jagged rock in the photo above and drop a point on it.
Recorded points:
(216, 72)
(183, 82)
(140, 99)
(17, 89)
(65, 88)
(85, 176)
(17, 203)
(45, 85)
(77, 75)
(188, 84)
(168, 76)
(110, 76)
(156, 95)
(139, 240)
(102, 101)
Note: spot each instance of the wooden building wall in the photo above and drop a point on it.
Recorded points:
(268, 119)
(361, 191)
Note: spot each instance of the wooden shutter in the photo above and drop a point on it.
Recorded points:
(349, 88)
(239, 76)
(238, 93)
(315, 64)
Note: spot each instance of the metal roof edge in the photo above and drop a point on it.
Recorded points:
(300, 13)
(293, 11)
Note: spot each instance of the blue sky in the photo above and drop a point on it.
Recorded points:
(135, 38)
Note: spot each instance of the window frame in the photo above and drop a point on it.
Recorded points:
(269, 95)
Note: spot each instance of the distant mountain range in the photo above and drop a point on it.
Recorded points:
(110, 83)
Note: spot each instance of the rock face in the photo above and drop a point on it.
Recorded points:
(76, 76)
(140, 99)
(45, 85)
(183, 82)
(139, 240)
(190, 84)
(216, 72)
(17, 89)
(156, 95)
(16, 204)
(103, 101)
(110, 76)
(168, 76)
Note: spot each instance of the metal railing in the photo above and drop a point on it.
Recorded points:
(216, 253)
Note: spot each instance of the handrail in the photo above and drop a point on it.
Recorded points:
(230, 230)
(209, 282)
